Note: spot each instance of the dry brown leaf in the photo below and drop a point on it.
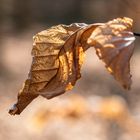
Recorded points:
(58, 54)
(114, 45)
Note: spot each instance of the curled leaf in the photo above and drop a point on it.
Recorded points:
(58, 54)
(114, 45)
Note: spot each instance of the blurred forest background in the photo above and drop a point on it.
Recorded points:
(97, 108)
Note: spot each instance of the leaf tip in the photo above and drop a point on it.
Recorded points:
(14, 110)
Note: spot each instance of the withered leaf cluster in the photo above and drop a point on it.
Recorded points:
(58, 54)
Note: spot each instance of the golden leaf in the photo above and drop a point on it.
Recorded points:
(114, 45)
(58, 54)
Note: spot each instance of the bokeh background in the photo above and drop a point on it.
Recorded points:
(97, 108)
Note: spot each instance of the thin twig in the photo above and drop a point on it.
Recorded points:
(137, 34)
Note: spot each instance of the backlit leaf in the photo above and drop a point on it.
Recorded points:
(58, 54)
